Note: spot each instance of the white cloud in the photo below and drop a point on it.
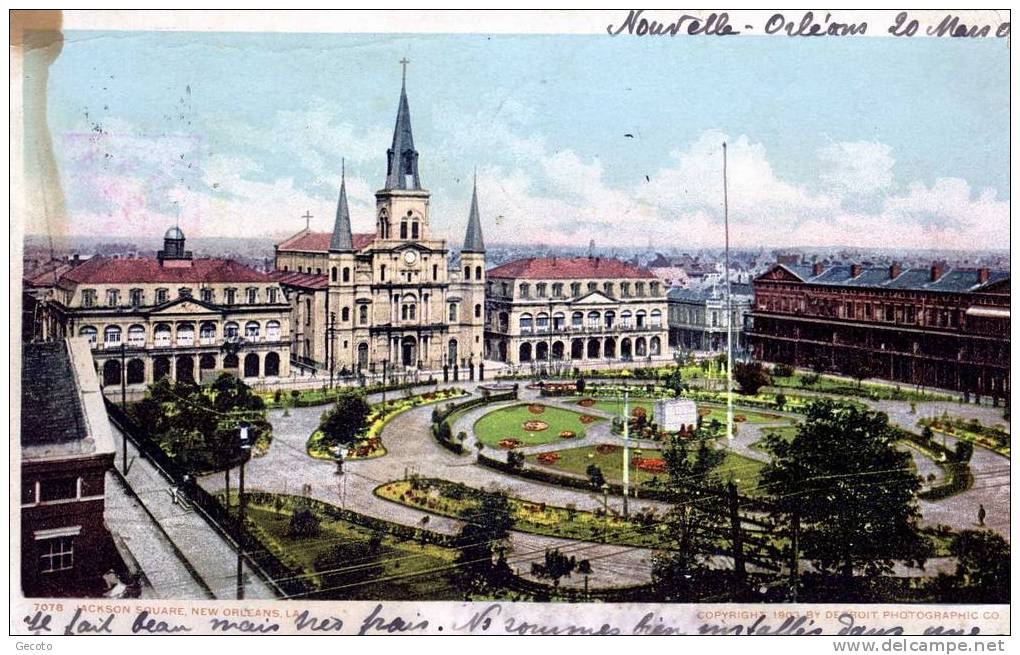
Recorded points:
(856, 168)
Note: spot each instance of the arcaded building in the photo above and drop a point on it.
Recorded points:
(362, 302)
(919, 326)
(173, 315)
(588, 310)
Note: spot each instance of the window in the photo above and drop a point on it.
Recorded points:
(557, 290)
(435, 272)
(594, 320)
(639, 287)
(89, 333)
(452, 313)
(251, 330)
(252, 295)
(467, 272)
(525, 290)
(409, 310)
(111, 336)
(478, 272)
(505, 288)
(593, 286)
(403, 229)
(57, 554)
(230, 296)
(308, 311)
(207, 332)
(185, 334)
(610, 318)
(625, 319)
(184, 292)
(230, 330)
(332, 274)
(161, 335)
(478, 311)
(526, 323)
(271, 294)
(607, 287)
(540, 289)
(382, 272)
(347, 274)
(577, 320)
(58, 489)
(273, 330)
(363, 314)
(656, 318)
(206, 295)
(136, 335)
(88, 298)
(112, 297)
(345, 314)
(414, 229)
(558, 320)
(575, 289)
(654, 288)
(542, 323)
(625, 289)
(137, 296)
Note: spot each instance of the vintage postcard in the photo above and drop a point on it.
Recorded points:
(635, 322)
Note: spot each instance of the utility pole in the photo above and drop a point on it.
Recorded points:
(245, 450)
(739, 570)
(626, 449)
(729, 307)
(384, 363)
(123, 402)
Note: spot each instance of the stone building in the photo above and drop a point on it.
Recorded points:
(588, 310)
(697, 317)
(919, 326)
(174, 316)
(66, 449)
(362, 302)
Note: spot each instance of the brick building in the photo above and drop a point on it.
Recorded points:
(920, 326)
(66, 449)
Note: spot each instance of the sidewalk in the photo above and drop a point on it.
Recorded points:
(211, 559)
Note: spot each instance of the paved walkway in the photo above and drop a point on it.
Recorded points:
(166, 573)
(213, 561)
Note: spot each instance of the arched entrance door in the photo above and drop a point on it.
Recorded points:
(362, 354)
(111, 372)
(272, 364)
(408, 349)
(185, 369)
(160, 367)
(135, 371)
(502, 351)
(451, 351)
(251, 365)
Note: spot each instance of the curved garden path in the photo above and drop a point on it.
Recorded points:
(287, 468)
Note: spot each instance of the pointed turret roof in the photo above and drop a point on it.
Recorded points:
(402, 158)
(342, 240)
(473, 241)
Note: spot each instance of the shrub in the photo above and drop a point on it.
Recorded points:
(782, 370)
(304, 523)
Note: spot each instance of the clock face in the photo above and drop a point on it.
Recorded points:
(410, 256)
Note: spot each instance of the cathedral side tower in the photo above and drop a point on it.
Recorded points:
(472, 264)
(340, 322)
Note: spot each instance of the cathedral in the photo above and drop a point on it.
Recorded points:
(389, 299)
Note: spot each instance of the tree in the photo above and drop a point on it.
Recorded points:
(515, 459)
(854, 492)
(579, 385)
(556, 566)
(343, 422)
(780, 401)
(674, 381)
(692, 523)
(751, 377)
(982, 566)
(486, 530)
(303, 523)
(595, 476)
(859, 369)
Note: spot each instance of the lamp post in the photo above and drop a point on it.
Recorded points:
(605, 509)
(245, 450)
(123, 402)
(331, 332)
(626, 449)
(385, 362)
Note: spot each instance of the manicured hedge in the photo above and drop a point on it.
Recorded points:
(440, 416)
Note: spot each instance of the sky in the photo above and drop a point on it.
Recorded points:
(869, 142)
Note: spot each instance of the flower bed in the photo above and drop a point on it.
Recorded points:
(509, 444)
(587, 419)
(548, 458)
(568, 434)
(650, 464)
(535, 426)
(606, 448)
(586, 402)
(536, 409)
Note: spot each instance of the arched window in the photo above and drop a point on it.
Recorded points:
(478, 272)
(526, 323)
(478, 311)
(272, 368)
(409, 308)
(272, 333)
(186, 334)
(230, 330)
(610, 318)
(403, 229)
(206, 332)
(656, 318)
(362, 354)
(345, 314)
(451, 352)
(655, 346)
(594, 320)
(414, 229)
(89, 333)
(251, 330)
(162, 335)
(559, 319)
(332, 274)
(136, 336)
(363, 314)
(640, 319)
(542, 323)
(525, 352)
(577, 320)
(625, 319)
(347, 274)
(452, 313)
(467, 272)
(111, 336)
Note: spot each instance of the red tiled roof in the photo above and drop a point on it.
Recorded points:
(102, 270)
(48, 277)
(303, 280)
(558, 268)
(306, 241)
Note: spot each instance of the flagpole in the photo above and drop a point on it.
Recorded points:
(729, 307)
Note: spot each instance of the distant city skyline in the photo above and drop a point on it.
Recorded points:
(852, 144)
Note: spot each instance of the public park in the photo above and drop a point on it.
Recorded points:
(609, 486)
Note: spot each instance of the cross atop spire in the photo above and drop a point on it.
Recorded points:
(308, 219)
(342, 240)
(402, 158)
(473, 241)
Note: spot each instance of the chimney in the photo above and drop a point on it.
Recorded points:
(816, 269)
(936, 271)
(895, 270)
(855, 270)
(982, 275)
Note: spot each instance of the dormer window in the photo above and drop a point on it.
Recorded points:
(207, 295)
(251, 295)
(540, 289)
(162, 295)
(525, 290)
(112, 297)
(184, 292)
(575, 289)
(88, 298)
(230, 296)
(137, 296)
(271, 294)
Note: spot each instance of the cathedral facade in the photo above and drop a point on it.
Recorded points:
(389, 299)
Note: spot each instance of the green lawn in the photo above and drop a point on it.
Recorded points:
(576, 460)
(508, 423)
(365, 566)
(847, 387)
(614, 406)
(784, 433)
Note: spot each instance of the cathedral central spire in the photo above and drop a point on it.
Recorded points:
(473, 241)
(402, 158)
